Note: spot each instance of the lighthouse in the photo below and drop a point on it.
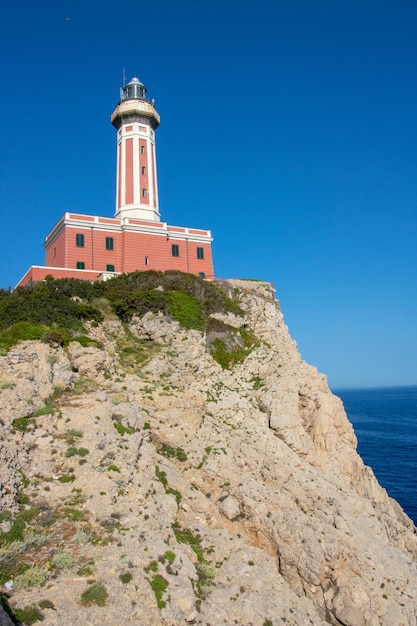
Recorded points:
(94, 247)
(136, 120)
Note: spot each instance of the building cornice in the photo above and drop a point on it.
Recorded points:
(160, 229)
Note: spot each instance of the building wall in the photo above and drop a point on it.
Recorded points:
(78, 254)
(55, 255)
(125, 246)
(37, 273)
(144, 252)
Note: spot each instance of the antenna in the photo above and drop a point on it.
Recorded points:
(124, 78)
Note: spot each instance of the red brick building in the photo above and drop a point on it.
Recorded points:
(92, 247)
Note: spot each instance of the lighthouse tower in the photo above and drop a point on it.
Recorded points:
(136, 120)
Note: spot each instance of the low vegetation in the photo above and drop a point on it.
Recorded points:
(29, 615)
(56, 310)
(205, 573)
(170, 452)
(159, 585)
(162, 477)
(95, 594)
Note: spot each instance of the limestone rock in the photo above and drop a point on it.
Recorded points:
(230, 508)
(194, 494)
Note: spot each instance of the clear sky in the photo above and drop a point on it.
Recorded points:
(287, 128)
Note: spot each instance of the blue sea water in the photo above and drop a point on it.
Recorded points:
(385, 423)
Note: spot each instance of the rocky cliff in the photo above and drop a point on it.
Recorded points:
(143, 484)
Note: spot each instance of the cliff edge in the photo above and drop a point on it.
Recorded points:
(145, 482)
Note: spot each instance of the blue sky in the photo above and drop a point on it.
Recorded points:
(288, 129)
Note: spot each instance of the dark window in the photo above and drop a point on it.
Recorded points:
(146, 260)
(54, 251)
(201, 274)
(109, 243)
(143, 170)
(200, 253)
(79, 240)
(142, 149)
(80, 264)
(109, 268)
(144, 193)
(175, 250)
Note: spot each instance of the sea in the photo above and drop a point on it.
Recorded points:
(385, 423)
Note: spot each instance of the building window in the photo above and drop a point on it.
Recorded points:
(200, 253)
(175, 250)
(201, 274)
(109, 243)
(109, 268)
(147, 260)
(79, 240)
(142, 149)
(143, 170)
(80, 265)
(54, 252)
(144, 193)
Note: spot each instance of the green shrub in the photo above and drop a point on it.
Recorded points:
(151, 567)
(126, 577)
(95, 594)
(86, 569)
(159, 586)
(22, 498)
(11, 566)
(54, 338)
(16, 532)
(44, 410)
(161, 476)
(177, 495)
(169, 556)
(72, 514)
(81, 537)
(72, 451)
(113, 468)
(86, 342)
(183, 535)
(71, 435)
(205, 578)
(229, 345)
(20, 331)
(123, 430)
(62, 560)
(32, 577)
(29, 615)
(67, 478)
(25, 481)
(169, 451)
(48, 304)
(21, 423)
(46, 604)
(229, 352)
(185, 309)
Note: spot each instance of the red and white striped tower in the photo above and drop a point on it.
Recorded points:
(136, 120)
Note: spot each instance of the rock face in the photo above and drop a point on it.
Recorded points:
(179, 492)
